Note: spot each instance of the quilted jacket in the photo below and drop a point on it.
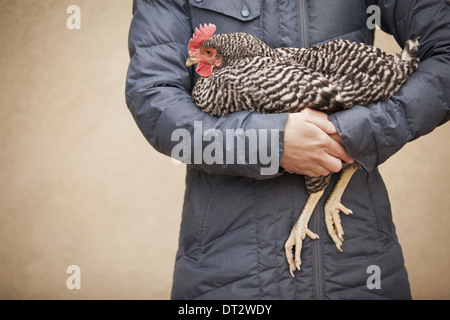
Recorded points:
(235, 219)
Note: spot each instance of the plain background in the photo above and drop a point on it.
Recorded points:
(80, 185)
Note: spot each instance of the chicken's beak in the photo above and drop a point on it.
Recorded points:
(191, 61)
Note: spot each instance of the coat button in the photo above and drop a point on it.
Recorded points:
(245, 13)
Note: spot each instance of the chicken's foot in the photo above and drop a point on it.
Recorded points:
(299, 233)
(334, 206)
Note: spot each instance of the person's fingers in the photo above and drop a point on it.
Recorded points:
(317, 171)
(315, 113)
(321, 170)
(329, 163)
(320, 119)
(325, 125)
(311, 147)
(336, 137)
(311, 173)
(338, 151)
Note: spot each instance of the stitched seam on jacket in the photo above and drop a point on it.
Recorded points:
(224, 285)
(204, 219)
(134, 93)
(280, 27)
(148, 45)
(235, 15)
(261, 20)
(400, 107)
(373, 119)
(256, 240)
(372, 209)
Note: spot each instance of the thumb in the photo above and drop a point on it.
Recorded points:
(326, 125)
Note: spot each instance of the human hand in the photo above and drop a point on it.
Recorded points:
(312, 145)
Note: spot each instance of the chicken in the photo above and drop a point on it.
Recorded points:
(240, 72)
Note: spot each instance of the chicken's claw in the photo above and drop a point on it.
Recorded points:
(298, 234)
(333, 221)
(334, 206)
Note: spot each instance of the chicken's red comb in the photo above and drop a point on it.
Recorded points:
(206, 31)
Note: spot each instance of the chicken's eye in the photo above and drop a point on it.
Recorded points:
(208, 52)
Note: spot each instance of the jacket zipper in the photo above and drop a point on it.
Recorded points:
(318, 253)
(303, 23)
(304, 43)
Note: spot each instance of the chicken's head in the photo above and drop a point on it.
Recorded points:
(206, 57)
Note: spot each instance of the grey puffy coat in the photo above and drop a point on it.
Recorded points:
(235, 220)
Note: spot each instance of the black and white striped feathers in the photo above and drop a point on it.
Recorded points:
(265, 85)
(330, 77)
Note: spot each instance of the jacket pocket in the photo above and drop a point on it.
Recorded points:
(228, 16)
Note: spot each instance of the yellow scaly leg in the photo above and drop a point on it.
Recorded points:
(334, 206)
(300, 231)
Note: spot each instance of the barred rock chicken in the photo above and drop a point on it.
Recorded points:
(240, 72)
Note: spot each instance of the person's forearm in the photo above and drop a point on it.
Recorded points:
(157, 94)
(372, 134)
(240, 144)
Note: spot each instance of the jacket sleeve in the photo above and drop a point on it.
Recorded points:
(157, 94)
(371, 135)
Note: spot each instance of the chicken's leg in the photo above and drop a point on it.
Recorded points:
(300, 231)
(334, 206)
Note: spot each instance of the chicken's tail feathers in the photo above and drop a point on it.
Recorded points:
(411, 49)
(409, 58)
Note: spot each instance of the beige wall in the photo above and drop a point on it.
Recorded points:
(80, 185)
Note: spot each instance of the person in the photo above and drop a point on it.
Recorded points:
(235, 219)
